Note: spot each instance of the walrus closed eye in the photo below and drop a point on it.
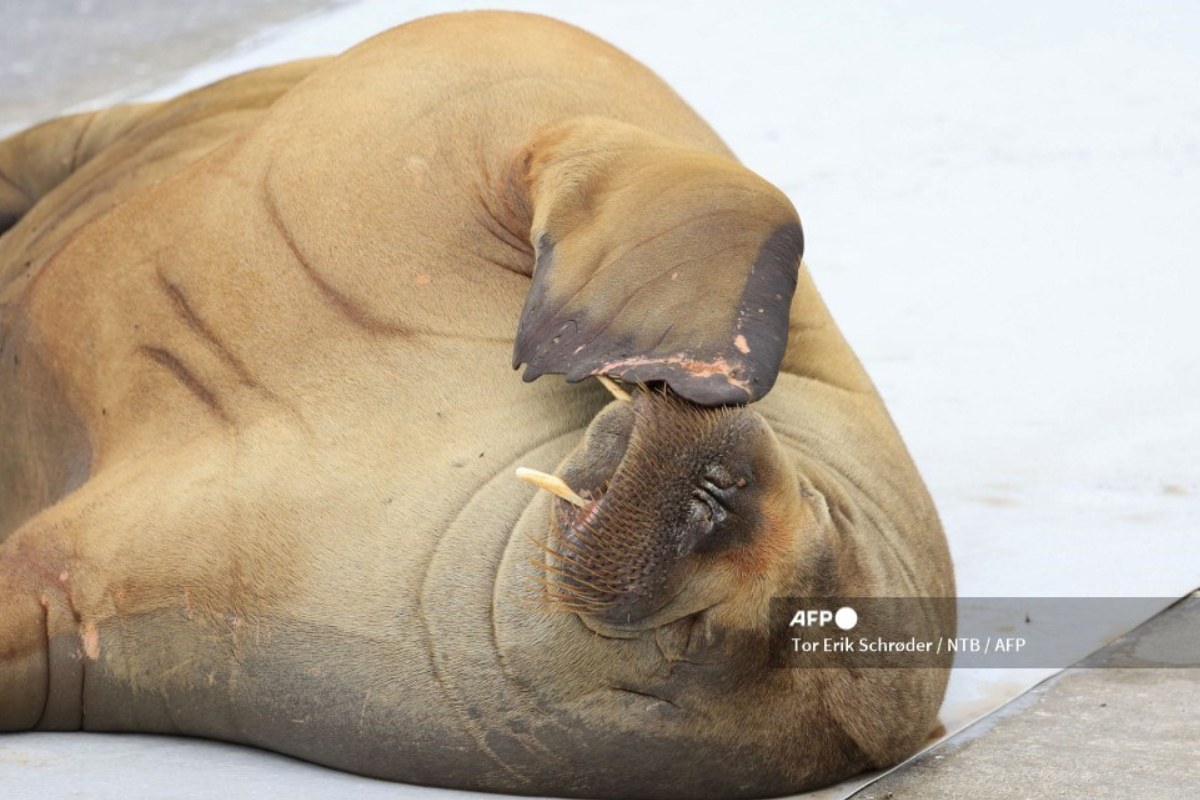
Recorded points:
(259, 421)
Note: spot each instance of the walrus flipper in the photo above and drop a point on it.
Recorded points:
(35, 161)
(655, 262)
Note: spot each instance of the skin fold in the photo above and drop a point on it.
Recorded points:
(259, 422)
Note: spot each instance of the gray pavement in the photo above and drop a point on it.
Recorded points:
(1124, 724)
(55, 54)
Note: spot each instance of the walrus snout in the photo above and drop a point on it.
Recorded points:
(670, 490)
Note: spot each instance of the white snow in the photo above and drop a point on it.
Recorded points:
(1002, 207)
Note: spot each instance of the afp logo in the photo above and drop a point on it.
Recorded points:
(845, 618)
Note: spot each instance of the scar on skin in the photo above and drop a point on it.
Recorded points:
(740, 344)
(697, 369)
(64, 576)
(422, 280)
(91, 641)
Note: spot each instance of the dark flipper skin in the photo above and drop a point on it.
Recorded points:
(656, 262)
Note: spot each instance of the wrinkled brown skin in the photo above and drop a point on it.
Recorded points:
(258, 423)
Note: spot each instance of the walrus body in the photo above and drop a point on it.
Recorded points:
(258, 427)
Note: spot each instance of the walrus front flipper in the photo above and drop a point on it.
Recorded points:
(655, 262)
(36, 160)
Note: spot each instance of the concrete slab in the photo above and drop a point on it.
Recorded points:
(1123, 724)
(59, 53)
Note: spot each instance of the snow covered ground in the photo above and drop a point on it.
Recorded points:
(1002, 209)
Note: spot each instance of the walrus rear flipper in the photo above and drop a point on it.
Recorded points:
(655, 262)
(149, 140)
(36, 160)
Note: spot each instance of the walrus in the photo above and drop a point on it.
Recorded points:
(259, 424)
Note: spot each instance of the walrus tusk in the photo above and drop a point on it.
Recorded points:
(613, 387)
(552, 484)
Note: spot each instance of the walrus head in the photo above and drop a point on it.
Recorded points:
(674, 527)
(676, 508)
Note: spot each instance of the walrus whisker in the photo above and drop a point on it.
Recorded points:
(552, 484)
(590, 591)
(581, 558)
(539, 601)
(591, 544)
(552, 599)
(602, 587)
(608, 563)
(588, 580)
(581, 593)
(554, 591)
(571, 555)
